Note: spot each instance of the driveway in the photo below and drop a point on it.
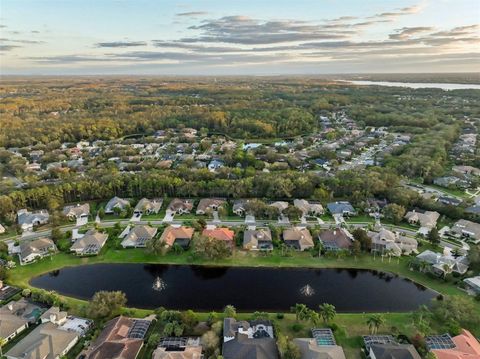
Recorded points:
(168, 216)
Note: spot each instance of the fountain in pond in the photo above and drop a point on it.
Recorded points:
(159, 284)
(307, 290)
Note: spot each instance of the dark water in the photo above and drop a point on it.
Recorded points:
(248, 289)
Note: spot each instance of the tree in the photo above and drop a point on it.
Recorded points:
(327, 312)
(374, 322)
(474, 258)
(361, 236)
(153, 340)
(433, 236)
(173, 328)
(394, 212)
(210, 341)
(106, 304)
(229, 311)
(300, 310)
(211, 248)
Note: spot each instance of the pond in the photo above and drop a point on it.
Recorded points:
(248, 289)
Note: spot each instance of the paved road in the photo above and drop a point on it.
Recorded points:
(229, 223)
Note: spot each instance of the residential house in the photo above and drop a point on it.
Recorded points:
(45, 341)
(114, 203)
(208, 205)
(449, 201)
(27, 220)
(280, 205)
(11, 323)
(178, 348)
(180, 206)
(321, 346)
(447, 181)
(245, 340)
(179, 235)
(30, 251)
(77, 211)
(257, 239)
(426, 219)
(215, 165)
(466, 229)
(393, 350)
(336, 239)
(139, 236)
(90, 243)
(54, 315)
(473, 283)
(122, 337)
(221, 234)
(146, 206)
(343, 208)
(466, 347)
(386, 241)
(308, 208)
(442, 264)
(466, 170)
(298, 238)
(239, 207)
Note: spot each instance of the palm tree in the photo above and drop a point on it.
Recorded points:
(446, 270)
(327, 312)
(300, 310)
(374, 322)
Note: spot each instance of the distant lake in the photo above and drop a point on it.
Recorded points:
(248, 289)
(419, 85)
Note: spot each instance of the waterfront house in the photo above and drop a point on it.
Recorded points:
(298, 238)
(252, 339)
(473, 283)
(178, 348)
(116, 202)
(139, 236)
(90, 243)
(30, 251)
(122, 337)
(45, 341)
(179, 235)
(336, 239)
(257, 239)
(12, 322)
(442, 264)
(466, 346)
(393, 350)
(321, 346)
(221, 234)
(386, 241)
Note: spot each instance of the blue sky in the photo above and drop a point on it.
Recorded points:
(238, 37)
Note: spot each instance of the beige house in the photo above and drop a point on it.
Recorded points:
(257, 239)
(309, 349)
(46, 341)
(77, 211)
(139, 236)
(386, 241)
(308, 208)
(467, 230)
(90, 244)
(146, 206)
(30, 251)
(426, 219)
(298, 238)
(180, 206)
(208, 205)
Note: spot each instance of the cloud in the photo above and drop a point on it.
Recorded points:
(192, 13)
(121, 44)
(5, 48)
(399, 12)
(407, 32)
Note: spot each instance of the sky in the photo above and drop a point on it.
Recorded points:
(238, 37)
